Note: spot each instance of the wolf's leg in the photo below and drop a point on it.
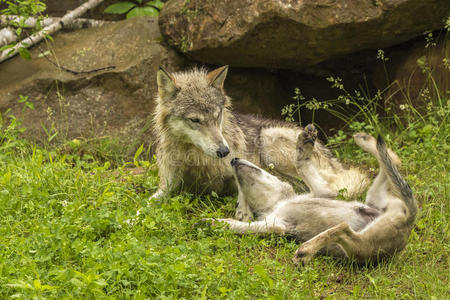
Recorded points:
(377, 194)
(168, 181)
(350, 241)
(307, 170)
(158, 194)
(388, 232)
(369, 144)
(264, 226)
(243, 210)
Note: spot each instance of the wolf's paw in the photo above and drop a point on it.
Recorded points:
(243, 212)
(307, 136)
(242, 215)
(204, 222)
(369, 144)
(215, 222)
(209, 222)
(303, 255)
(364, 140)
(305, 141)
(312, 131)
(158, 194)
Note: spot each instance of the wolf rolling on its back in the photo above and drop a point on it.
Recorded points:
(198, 134)
(366, 232)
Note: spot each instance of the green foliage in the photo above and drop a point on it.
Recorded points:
(136, 9)
(24, 53)
(26, 102)
(23, 9)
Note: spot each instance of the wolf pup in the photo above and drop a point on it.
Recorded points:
(198, 134)
(363, 231)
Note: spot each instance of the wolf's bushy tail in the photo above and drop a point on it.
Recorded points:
(398, 183)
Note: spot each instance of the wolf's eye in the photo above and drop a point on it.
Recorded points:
(194, 120)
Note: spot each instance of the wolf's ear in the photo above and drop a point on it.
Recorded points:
(166, 84)
(217, 77)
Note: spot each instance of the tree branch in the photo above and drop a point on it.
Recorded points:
(8, 35)
(50, 29)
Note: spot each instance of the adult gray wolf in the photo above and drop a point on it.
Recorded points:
(363, 231)
(198, 134)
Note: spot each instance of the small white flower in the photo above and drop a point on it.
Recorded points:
(130, 221)
(271, 166)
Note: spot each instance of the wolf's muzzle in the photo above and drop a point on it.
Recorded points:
(223, 151)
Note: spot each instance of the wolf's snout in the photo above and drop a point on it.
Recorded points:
(234, 161)
(223, 151)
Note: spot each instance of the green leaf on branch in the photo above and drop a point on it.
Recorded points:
(7, 47)
(24, 53)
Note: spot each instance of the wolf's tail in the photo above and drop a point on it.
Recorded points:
(400, 186)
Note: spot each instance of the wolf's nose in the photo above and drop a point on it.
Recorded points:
(234, 161)
(223, 151)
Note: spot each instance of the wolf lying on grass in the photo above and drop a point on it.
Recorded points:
(363, 231)
(198, 134)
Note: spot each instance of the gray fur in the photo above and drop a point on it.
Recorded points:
(364, 231)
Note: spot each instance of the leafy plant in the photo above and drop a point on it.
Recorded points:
(26, 103)
(135, 9)
(24, 8)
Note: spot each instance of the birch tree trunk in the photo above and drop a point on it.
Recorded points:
(52, 28)
(8, 35)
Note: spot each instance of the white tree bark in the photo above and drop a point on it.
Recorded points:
(50, 29)
(29, 22)
(8, 35)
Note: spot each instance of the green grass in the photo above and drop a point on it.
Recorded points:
(69, 230)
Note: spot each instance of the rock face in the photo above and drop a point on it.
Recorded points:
(292, 34)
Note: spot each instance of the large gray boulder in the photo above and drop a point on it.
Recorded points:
(293, 34)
